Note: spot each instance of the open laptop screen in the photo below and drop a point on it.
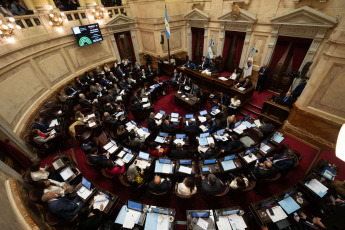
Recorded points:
(174, 115)
(135, 206)
(180, 136)
(188, 116)
(210, 161)
(203, 113)
(201, 214)
(86, 183)
(144, 155)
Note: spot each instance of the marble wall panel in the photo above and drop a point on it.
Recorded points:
(260, 42)
(53, 66)
(19, 89)
(175, 40)
(148, 41)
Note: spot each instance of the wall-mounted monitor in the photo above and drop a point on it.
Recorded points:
(88, 34)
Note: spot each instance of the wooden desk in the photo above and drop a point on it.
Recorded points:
(192, 221)
(270, 151)
(170, 212)
(187, 104)
(186, 140)
(177, 173)
(168, 68)
(294, 194)
(236, 162)
(113, 200)
(260, 213)
(275, 112)
(215, 167)
(243, 95)
(241, 156)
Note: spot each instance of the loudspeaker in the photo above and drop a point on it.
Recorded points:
(162, 39)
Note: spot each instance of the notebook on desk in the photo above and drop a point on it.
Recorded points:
(58, 164)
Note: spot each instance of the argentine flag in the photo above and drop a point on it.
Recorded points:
(210, 50)
(167, 27)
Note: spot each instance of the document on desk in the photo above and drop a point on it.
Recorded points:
(203, 128)
(202, 223)
(210, 140)
(257, 123)
(223, 223)
(158, 116)
(162, 222)
(317, 187)
(265, 148)
(84, 193)
(53, 123)
(167, 168)
(289, 205)
(113, 149)
(146, 105)
(222, 78)
(237, 222)
(145, 99)
(142, 164)
(250, 159)
(202, 149)
(241, 88)
(176, 141)
(100, 199)
(121, 154)
(279, 214)
(202, 119)
(131, 218)
(228, 165)
(185, 169)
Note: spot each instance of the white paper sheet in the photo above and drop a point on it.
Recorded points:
(223, 223)
(185, 169)
(159, 116)
(317, 186)
(250, 159)
(210, 140)
(166, 168)
(84, 192)
(146, 105)
(202, 223)
(130, 218)
(202, 119)
(145, 99)
(239, 221)
(163, 222)
(203, 128)
(279, 214)
(113, 149)
(100, 199)
(223, 78)
(203, 149)
(53, 123)
(176, 141)
(121, 154)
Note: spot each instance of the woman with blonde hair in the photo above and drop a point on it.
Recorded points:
(79, 116)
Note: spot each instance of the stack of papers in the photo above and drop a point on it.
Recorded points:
(121, 154)
(142, 164)
(159, 116)
(130, 126)
(203, 149)
(184, 169)
(241, 88)
(317, 187)
(146, 105)
(202, 119)
(176, 141)
(265, 148)
(100, 199)
(237, 222)
(210, 140)
(112, 149)
(131, 218)
(223, 78)
(84, 193)
(53, 123)
(249, 159)
(202, 223)
(203, 128)
(145, 99)
(119, 162)
(279, 214)
(240, 129)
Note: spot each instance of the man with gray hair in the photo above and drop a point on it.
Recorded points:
(264, 170)
(211, 185)
(63, 206)
(284, 161)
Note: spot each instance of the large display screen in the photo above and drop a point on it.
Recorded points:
(88, 34)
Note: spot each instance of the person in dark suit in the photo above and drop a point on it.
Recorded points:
(123, 84)
(85, 102)
(191, 126)
(136, 105)
(97, 159)
(286, 99)
(86, 79)
(151, 123)
(109, 108)
(264, 170)
(211, 185)
(159, 185)
(91, 219)
(136, 67)
(40, 125)
(299, 89)
(136, 98)
(246, 83)
(263, 73)
(194, 90)
(204, 63)
(179, 152)
(189, 64)
(212, 66)
(111, 98)
(266, 127)
(202, 98)
(168, 127)
(120, 73)
(105, 82)
(150, 70)
(231, 144)
(284, 161)
(227, 123)
(78, 83)
(110, 122)
(212, 151)
(69, 90)
(223, 100)
(142, 75)
(63, 206)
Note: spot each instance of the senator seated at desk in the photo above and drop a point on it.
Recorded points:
(187, 187)
(98, 159)
(228, 123)
(91, 219)
(211, 185)
(283, 161)
(179, 152)
(210, 152)
(246, 83)
(159, 185)
(264, 170)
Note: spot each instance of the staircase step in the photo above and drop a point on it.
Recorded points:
(255, 106)
(251, 111)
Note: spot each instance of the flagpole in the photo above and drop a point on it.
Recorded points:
(167, 38)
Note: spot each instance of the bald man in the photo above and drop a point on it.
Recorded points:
(264, 170)
(286, 99)
(159, 185)
(63, 206)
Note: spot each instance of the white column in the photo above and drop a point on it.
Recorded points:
(271, 45)
(189, 40)
(221, 41)
(117, 53)
(245, 46)
(16, 142)
(205, 39)
(135, 45)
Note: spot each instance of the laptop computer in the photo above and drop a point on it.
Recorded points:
(185, 162)
(160, 211)
(135, 206)
(214, 108)
(229, 212)
(203, 113)
(85, 190)
(162, 134)
(180, 136)
(164, 161)
(175, 115)
(189, 116)
(66, 173)
(201, 214)
(127, 150)
(145, 129)
(144, 156)
(238, 123)
(162, 112)
(231, 157)
(219, 132)
(210, 161)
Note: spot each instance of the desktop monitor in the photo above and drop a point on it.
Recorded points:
(213, 108)
(135, 205)
(162, 134)
(127, 150)
(180, 136)
(189, 116)
(210, 161)
(203, 113)
(204, 135)
(229, 212)
(185, 162)
(145, 129)
(160, 211)
(237, 124)
(246, 117)
(231, 157)
(144, 156)
(86, 183)
(162, 112)
(175, 115)
(220, 131)
(66, 173)
(164, 161)
(201, 214)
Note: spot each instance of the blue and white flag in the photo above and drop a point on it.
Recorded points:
(167, 27)
(210, 50)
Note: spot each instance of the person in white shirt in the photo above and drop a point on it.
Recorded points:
(37, 173)
(238, 182)
(235, 102)
(61, 188)
(187, 187)
(235, 75)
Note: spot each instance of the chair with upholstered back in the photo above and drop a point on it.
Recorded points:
(106, 174)
(52, 220)
(226, 188)
(35, 195)
(82, 133)
(27, 177)
(252, 137)
(251, 185)
(124, 181)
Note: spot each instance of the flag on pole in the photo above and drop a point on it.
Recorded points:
(167, 27)
(249, 64)
(210, 50)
